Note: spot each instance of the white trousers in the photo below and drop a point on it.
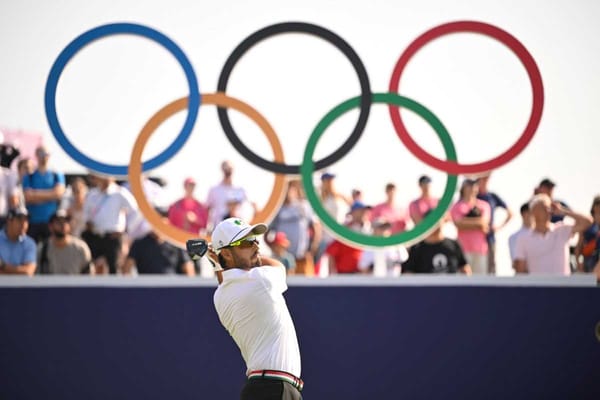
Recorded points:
(478, 263)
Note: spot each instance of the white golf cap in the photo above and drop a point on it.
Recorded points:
(234, 229)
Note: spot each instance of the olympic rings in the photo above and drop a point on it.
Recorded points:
(343, 232)
(307, 168)
(315, 30)
(95, 34)
(451, 166)
(174, 234)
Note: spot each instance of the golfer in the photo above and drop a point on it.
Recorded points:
(250, 304)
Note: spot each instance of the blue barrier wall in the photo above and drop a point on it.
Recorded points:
(356, 343)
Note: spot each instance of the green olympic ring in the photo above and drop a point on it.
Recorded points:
(348, 235)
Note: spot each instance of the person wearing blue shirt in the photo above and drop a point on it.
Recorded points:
(17, 250)
(42, 190)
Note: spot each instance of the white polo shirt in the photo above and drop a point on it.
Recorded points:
(547, 253)
(251, 306)
(512, 241)
(111, 211)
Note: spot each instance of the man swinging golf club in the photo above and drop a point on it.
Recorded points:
(250, 304)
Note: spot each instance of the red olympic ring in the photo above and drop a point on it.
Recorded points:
(526, 59)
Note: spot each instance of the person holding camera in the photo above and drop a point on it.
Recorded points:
(472, 219)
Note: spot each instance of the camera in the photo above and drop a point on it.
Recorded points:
(196, 248)
(474, 212)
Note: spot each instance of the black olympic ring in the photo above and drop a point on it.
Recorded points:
(340, 44)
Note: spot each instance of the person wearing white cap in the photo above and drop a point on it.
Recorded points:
(250, 305)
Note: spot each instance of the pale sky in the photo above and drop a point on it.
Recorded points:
(474, 84)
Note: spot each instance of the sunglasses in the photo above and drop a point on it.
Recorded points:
(244, 243)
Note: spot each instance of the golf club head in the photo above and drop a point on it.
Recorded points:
(196, 248)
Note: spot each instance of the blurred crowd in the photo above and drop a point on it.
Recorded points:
(92, 225)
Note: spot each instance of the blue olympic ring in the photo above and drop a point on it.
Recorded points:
(97, 33)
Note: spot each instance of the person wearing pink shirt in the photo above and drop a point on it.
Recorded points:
(472, 219)
(421, 206)
(544, 249)
(188, 213)
(389, 211)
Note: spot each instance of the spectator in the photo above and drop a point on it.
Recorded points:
(139, 227)
(436, 254)
(494, 202)
(527, 225)
(544, 249)
(588, 245)
(421, 206)
(279, 247)
(151, 254)
(109, 210)
(17, 250)
(73, 205)
(391, 257)
(8, 153)
(360, 217)
(219, 195)
(546, 186)
(234, 205)
(336, 205)
(390, 211)
(296, 219)
(42, 190)
(188, 213)
(25, 167)
(63, 253)
(357, 195)
(472, 219)
(333, 201)
(344, 259)
(9, 193)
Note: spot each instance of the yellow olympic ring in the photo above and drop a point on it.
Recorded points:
(173, 234)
